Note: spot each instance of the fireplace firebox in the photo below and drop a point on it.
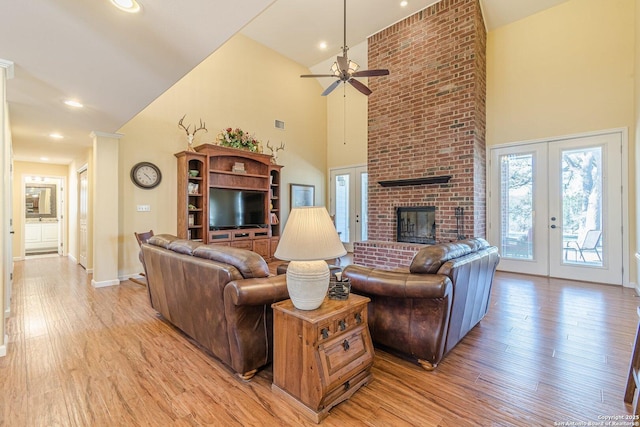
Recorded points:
(416, 224)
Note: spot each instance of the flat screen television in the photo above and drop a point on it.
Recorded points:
(236, 209)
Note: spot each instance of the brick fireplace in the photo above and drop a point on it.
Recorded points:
(426, 123)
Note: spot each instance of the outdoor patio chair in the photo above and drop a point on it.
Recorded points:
(589, 243)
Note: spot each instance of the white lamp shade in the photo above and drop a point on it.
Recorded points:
(309, 235)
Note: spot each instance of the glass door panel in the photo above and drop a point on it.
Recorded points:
(349, 204)
(516, 197)
(516, 225)
(582, 206)
(342, 213)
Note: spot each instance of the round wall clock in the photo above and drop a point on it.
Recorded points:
(146, 175)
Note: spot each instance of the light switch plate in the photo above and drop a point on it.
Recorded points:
(144, 208)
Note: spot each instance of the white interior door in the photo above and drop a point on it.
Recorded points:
(349, 204)
(556, 208)
(83, 203)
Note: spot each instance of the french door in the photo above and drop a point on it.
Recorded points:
(556, 208)
(349, 204)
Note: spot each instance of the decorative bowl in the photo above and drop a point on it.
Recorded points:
(194, 172)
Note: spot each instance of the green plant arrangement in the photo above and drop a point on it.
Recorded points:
(237, 138)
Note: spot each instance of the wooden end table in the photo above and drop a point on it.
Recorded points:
(321, 357)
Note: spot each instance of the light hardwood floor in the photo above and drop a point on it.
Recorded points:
(549, 351)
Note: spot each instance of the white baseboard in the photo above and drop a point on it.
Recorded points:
(72, 258)
(105, 283)
(3, 348)
(18, 258)
(7, 313)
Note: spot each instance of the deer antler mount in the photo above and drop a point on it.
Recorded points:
(190, 136)
(274, 152)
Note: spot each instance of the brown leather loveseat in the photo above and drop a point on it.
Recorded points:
(219, 296)
(423, 313)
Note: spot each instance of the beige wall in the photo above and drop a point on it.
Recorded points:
(346, 127)
(243, 84)
(566, 70)
(20, 171)
(635, 142)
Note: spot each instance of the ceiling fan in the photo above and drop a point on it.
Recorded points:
(346, 70)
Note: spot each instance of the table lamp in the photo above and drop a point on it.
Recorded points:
(308, 239)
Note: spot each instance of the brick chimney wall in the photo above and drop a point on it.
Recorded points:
(427, 118)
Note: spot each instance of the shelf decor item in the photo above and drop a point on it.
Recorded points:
(308, 239)
(190, 136)
(237, 138)
(274, 152)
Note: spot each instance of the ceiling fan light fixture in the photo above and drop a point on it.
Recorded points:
(335, 69)
(353, 67)
(130, 6)
(346, 71)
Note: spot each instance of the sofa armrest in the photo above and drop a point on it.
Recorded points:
(258, 291)
(395, 284)
(247, 306)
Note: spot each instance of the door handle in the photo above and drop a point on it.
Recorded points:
(554, 226)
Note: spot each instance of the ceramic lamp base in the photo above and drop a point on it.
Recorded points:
(307, 283)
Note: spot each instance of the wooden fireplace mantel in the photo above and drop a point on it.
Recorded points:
(441, 179)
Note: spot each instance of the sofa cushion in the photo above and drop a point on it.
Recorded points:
(249, 263)
(162, 240)
(183, 246)
(476, 243)
(430, 258)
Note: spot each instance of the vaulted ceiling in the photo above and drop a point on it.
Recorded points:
(117, 63)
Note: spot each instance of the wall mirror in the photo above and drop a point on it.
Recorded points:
(40, 200)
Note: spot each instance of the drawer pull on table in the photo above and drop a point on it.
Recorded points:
(325, 333)
(358, 318)
(345, 345)
(347, 386)
(343, 325)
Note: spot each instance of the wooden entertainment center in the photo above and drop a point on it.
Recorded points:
(214, 168)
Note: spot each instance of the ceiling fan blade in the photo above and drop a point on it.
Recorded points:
(361, 87)
(343, 63)
(317, 75)
(330, 89)
(371, 73)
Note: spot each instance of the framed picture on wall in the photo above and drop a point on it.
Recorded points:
(302, 195)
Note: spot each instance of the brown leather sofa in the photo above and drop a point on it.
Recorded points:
(219, 296)
(423, 313)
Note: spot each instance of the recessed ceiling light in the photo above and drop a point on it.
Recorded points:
(404, 3)
(73, 103)
(322, 45)
(130, 6)
(44, 159)
(56, 136)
